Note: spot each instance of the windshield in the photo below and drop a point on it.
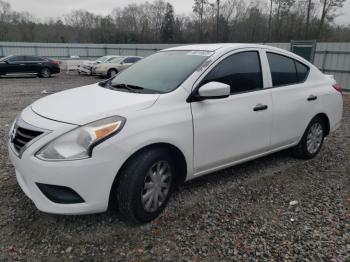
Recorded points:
(5, 58)
(103, 59)
(162, 72)
(116, 60)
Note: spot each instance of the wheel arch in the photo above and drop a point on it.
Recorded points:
(113, 68)
(326, 121)
(180, 160)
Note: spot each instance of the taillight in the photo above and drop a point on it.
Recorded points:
(55, 62)
(338, 88)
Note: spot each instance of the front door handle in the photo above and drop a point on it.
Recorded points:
(260, 107)
(312, 98)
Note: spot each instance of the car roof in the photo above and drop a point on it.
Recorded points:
(216, 47)
(227, 47)
(212, 47)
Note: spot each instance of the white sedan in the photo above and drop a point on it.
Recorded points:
(174, 116)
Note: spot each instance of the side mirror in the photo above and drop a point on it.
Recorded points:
(211, 90)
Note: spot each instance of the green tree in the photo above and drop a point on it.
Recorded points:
(168, 25)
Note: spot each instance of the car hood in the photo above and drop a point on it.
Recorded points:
(89, 63)
(89, 103)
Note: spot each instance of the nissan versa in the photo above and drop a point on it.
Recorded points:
(174, 116)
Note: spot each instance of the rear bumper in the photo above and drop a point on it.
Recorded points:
(55, 70)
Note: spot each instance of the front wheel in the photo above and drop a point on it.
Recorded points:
(145, 185)
(312, 140)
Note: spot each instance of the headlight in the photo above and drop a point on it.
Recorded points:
(78, 143)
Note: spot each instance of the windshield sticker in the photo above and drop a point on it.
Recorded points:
(204, 65)
(200, 53)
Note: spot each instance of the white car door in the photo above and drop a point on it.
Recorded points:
(294, 100)
(238, 127)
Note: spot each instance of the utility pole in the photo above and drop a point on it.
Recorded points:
(217, 20)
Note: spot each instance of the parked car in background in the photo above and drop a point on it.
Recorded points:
(86, 67)
(114, 66)
(174, 116)
(27, 64)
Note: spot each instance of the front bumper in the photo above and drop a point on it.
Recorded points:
(91, 178)
(84, 70)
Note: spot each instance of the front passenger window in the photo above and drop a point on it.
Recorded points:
(16, 59)
(242, 72)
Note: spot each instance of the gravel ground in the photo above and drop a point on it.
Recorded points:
(240, 213)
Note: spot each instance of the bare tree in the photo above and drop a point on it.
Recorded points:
(329, 9)
(155, 22)
(270, 21)
(199, 8)
(308, 17)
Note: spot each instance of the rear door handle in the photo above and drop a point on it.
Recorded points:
(260, 107)
(312, 98)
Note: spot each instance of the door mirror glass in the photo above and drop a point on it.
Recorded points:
(214, 90)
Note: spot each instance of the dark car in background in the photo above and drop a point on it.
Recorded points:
(27, 64)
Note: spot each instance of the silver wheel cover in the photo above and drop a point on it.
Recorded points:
(156, 186)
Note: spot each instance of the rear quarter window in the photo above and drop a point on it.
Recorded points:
(302, 71)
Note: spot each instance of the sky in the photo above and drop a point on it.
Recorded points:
(54, 8)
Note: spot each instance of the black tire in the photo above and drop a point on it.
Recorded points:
(45, 73)
(111, 72)
(302, 150)
(127, 195)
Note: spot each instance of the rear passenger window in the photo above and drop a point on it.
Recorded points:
(242, 72)
(285, 70)
(129, 60)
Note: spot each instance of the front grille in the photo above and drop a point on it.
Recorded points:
(22, 136)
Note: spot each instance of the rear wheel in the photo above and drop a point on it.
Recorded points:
(111, 73)
(145, 185)
(45, 72)
(312, 140)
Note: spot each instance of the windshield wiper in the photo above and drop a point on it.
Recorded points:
(131, 88)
